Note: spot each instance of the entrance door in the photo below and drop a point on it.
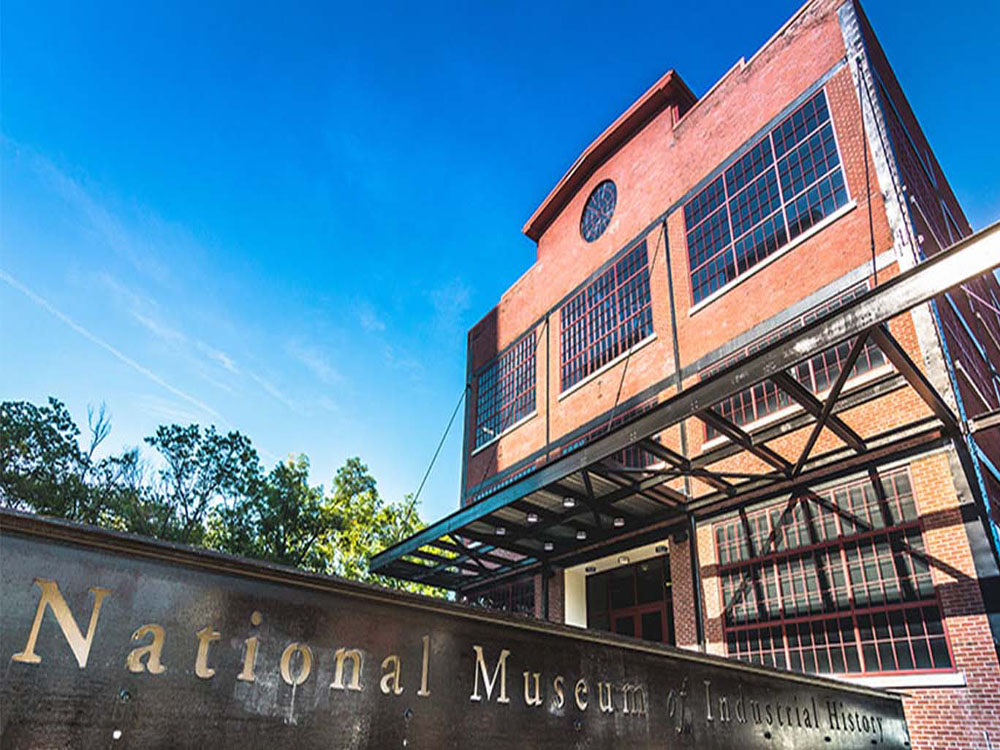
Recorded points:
(648, 623)
(633, 600)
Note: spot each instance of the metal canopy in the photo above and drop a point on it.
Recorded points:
(588, 496)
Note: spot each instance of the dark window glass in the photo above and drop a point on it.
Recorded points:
(652, 626)
(613, 313)
(781, 186)
(506, 390)
(625, 625)
(597, 603)
(633, 600)
(622, 588)
(843, 588)
(649, 581)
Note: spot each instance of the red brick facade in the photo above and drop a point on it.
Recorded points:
(657, 164)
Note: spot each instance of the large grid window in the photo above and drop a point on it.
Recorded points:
(836, 582)
(817, 374)
(506, 390)
(784, 184)
(607, 317)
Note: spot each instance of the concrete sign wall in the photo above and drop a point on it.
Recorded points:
(111, 641)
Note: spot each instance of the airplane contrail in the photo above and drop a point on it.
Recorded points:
(118, 354)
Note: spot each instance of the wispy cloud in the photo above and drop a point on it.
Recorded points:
(328, 404)
(450, 301)
(315, 361)
(396, 361)
(207, 358)
(138, 252)
(217, 355)
(274, 392)
(118, 354)
(167, 410)
(146, 312)
(369, 318)
(158, 328)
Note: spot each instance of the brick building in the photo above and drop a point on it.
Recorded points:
(738, 403)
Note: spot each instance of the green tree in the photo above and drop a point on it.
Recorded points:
(283, 519)
(369, 524)
(210, 490)
(202, 470)
(43, 468)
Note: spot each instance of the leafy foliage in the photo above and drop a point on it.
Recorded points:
(202, 470)
(209, 489)
(369, 525)
(283, 519)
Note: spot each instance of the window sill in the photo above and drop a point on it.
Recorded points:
(813, 230)
(910, 680)
(851, 385)
(604, 368)
(510, 429)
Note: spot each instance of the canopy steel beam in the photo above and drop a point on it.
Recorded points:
(814, 406)
(737, 435)
(467, 553)
(827, 467)
(917, 380)
(614, 475)
(596, 501)
(663, 452)
(485, 552)
(444, 562)
(831, 400)
(966, 260)
(684, 466)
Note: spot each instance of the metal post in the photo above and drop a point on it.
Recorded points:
(699, 615)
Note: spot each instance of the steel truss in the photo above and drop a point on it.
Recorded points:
(588, 498)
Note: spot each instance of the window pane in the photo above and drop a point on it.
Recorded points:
(852, 594)
(736, 220)
(622, 588)
(652, 626)
(613, 313)
(506, 390)
(625, 625)
(597, 602)
(649, 581)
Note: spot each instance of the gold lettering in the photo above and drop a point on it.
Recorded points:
(338, 674)
(250, 651)
(425, 668)
(286, 663)
(557, 685)
(724, 714)
(500, 671)
(580, 694)
(153, 651)
(205, 637)
(390, 680)
(80, 644)
(606, 704)
(633, 700)
(536, 699)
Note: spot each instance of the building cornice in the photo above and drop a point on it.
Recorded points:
(670, 90)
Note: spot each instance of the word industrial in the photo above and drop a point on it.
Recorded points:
(804, 715)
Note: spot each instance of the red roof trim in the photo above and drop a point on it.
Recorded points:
(670, 89)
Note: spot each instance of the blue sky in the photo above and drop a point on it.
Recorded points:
(284, 218)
